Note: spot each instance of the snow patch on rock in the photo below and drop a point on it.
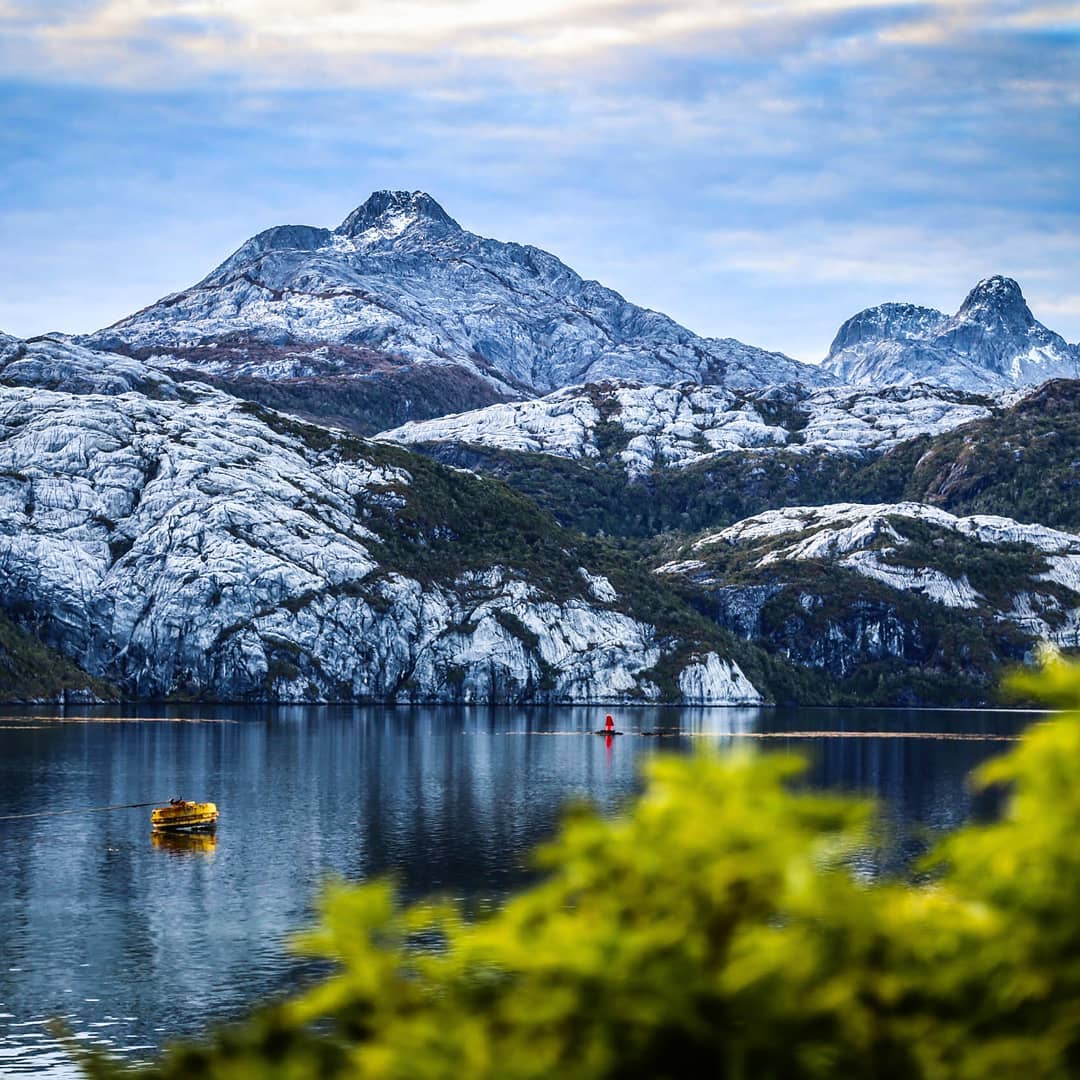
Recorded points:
(925, 580)
(677, 426)
(600, 587)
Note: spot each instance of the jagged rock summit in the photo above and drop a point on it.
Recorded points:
(992, 343)
(395, 211)
(399, 284)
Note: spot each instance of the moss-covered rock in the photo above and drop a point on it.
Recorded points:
(30, 671)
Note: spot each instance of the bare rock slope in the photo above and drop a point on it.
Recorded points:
(178, 541)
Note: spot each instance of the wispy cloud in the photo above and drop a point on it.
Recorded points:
(900, 254)
(363, 42)
(760, 169)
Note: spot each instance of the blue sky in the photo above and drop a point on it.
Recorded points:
(760, 171)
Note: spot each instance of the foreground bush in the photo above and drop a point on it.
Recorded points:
(715, 930)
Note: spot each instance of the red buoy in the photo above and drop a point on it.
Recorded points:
(609, 723)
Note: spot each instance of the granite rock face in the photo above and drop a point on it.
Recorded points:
(992, 343)
(177, 541)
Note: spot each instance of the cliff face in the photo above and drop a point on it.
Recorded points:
(178, 541)
(896, 603)
(33, 673)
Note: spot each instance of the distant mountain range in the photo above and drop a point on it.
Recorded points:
(631, 513)
(992, 343)
(401, 314)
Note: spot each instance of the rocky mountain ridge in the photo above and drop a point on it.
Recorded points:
(992, 343)
(400, 283)
(401, 314)
(684, 424)
(177, 541)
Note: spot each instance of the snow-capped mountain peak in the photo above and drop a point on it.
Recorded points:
(398, 287)
(997, 297)
(390, 213)
(992, 343)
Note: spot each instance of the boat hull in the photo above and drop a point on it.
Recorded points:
(197, 826)
(184, 817)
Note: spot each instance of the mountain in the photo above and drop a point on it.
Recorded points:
(179, 542)
(1024, 461)
(161, 539)
(642, 428)
(898, 603)
(992, 343)
(641, 461)
(400, 313)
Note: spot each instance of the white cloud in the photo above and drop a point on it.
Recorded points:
(1065, 306)
(364, 41)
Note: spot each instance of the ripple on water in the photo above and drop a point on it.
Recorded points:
(177, 936)
(29, 1048)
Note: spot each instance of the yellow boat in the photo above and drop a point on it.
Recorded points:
(183, 815)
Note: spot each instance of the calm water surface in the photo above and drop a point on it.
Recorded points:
(134, 942)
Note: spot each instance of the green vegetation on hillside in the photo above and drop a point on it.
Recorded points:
(598, 497)
(717, 927)
(826, 636)
(1023, 463)
(886, 646)
(366, 403)
(30, 671)
(875, 643)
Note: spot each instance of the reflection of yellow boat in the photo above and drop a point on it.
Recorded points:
(181, 815)
(183, 843)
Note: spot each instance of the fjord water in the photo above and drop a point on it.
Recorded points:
(133, 940)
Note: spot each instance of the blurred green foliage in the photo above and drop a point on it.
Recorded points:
(717, 928)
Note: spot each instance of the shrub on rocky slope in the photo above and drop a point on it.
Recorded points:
(32, 672)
